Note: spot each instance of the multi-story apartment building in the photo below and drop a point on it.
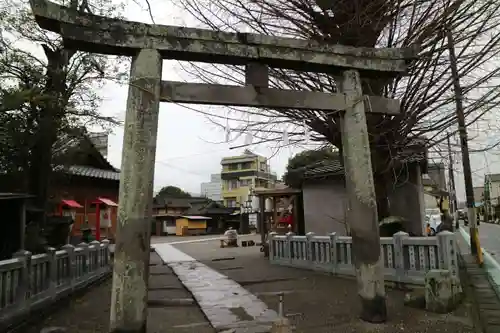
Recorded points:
(492, 194)
(240, 173)
(479, 195)
(213, 189)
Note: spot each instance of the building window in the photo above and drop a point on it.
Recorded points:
(263, 166)
(264, 184)
(245, 182)
(247, 165)
(233, 166)
(232, 184)
(231, 203)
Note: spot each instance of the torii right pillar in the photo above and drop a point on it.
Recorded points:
(362, 213)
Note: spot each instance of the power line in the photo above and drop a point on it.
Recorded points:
(181, 169)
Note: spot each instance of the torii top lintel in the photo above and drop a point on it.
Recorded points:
(99, 34)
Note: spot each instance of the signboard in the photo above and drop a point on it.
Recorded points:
(252, 220)
(71, 213)
(105, 217)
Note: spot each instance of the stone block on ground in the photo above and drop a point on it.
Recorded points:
(54, 330)
(415, 300)
(443, 292)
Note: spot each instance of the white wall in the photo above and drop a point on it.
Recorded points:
(325, 204)
(213, 189)
(494, 192)
(324, 207)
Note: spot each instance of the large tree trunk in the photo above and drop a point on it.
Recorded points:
(381, 176)
(382, 181)
(51, 114)
(406, 198)
(41, 160)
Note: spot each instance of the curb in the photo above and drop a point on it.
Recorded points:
(478, 281)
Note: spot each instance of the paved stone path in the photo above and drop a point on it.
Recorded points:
(227, 305)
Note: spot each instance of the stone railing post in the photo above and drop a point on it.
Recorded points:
(53, 278)
(447, 249)
(310, 253)
(86, 257)
(288, 250)
(72, 271)
(399, 258)
(106, 257)
(333, 251)
(272, 246)
(24, 292)
(94, 255)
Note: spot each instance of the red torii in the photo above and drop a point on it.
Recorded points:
(98, 203)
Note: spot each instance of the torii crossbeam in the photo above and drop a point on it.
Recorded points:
(98, 34)
(148, 45)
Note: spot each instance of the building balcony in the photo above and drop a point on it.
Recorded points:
(230, 171)
(236, 174)
(235, 192)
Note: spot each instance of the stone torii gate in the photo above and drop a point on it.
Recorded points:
(148, 45)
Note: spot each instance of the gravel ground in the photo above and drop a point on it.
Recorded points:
(314, 302)
(171, 308)
(319, 303)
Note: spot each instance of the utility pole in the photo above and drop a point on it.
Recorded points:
(453, 193)
(462, 130)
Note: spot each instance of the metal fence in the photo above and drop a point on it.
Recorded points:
(406, 259)
(31, 282)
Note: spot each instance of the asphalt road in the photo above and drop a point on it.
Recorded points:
(489, 236)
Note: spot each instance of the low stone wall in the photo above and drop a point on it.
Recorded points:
(29, 283)
(406, 259)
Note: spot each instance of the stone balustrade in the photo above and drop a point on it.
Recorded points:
(406, 259)
(29, 282)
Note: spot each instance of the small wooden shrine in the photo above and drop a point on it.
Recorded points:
(281, 211)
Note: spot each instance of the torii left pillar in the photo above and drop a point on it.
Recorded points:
(131, 265)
